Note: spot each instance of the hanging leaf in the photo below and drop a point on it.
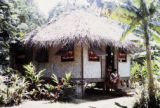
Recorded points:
(130, 29)
(155, 25)
(155, 35)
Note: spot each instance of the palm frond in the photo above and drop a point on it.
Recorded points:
(144, 8)
(131, 8)
(124, 13)
(130, 29)
(155, 25)
(153, 7)
(155, 35)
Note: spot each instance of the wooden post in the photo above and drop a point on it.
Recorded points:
(82, 67)
(80, 87)
(117, 53)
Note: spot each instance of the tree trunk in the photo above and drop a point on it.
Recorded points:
(149, 66)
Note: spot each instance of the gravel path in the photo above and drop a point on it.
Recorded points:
(122, 102)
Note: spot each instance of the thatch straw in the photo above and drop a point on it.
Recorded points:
(81, 27)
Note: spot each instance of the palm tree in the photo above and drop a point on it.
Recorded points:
(142, 14)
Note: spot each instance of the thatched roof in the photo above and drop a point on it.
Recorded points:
(81, 27)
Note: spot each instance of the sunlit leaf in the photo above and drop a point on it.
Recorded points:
(130, 29)
(68, 76)
(155, 36)
(155, 25)
(123, 15)
(54, 78)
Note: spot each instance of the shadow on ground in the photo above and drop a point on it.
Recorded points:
(119, 105)
(92, 95)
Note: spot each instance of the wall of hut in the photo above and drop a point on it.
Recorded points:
(59, 68)
(92, 69)
(124, 68)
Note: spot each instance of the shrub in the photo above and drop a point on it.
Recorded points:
(35, 89)
(143, 98)
(57, 90)
(139, 72)
(61, 90)
(12, 89)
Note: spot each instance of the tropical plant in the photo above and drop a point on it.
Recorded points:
(67, 87)
(56, 90)
(32, 75)
(28, 15)
(6, 28)
(142, 97)
(141, 16)
(12, 89)
(139, 71)
(61, 90)
(17, 17)
(36, 87)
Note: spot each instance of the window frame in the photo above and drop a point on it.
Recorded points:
(122, 56)
(93, 60)
(64, 51)
(69, 59)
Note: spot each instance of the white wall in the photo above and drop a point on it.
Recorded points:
(92, 69)
(124, 67)
(60, 68)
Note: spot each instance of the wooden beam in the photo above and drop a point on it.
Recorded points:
(101, 65)
(117, 51)
(82, 69)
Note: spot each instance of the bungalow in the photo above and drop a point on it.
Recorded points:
(84, 44)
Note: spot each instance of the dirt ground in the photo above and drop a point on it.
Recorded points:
(92, 100)
(121, 102)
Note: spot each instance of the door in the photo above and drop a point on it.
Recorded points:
(109, 65)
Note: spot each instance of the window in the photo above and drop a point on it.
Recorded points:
(122, 56)
(67, 52)
(68, 56)
(92, 56)
(20, 54)
(42, 55)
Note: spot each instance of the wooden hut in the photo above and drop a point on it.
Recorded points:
(84, 44)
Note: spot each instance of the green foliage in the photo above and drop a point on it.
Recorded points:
(31, 75)
(12, 89)
(145, 22)
(55, 79)
(17, 17)
(57, 90)
(68, 77)
(61, 90)
(143, 98)
(139, 71)
(28, 15)
(124, 15)
(155, 36)
(6, 27)
(35, 81)
(135, 72)
(130, 29)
